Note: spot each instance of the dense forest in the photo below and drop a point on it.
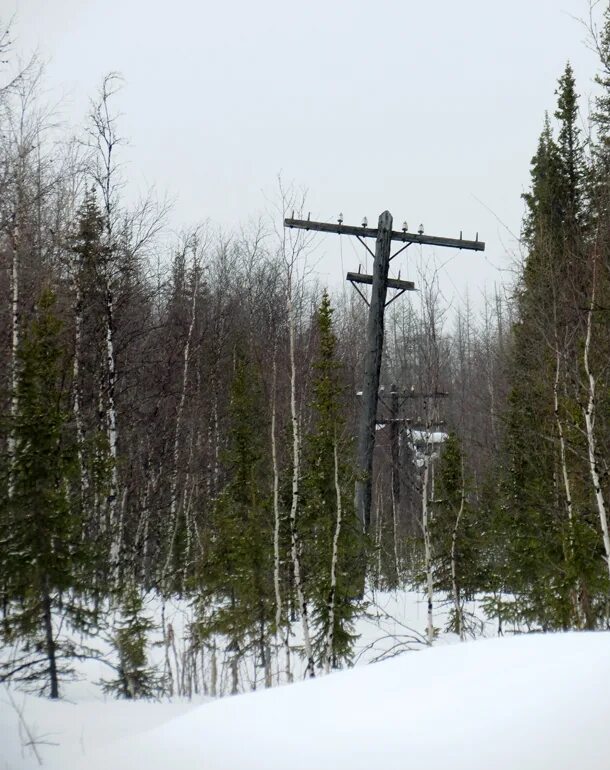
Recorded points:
(178, 415)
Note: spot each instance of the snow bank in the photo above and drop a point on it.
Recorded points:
(64, 732)
(528, 703)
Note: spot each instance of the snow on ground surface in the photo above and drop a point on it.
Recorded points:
(66, 733)
(527, 703)
(530, 702)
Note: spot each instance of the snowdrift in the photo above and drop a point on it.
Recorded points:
(536, 702)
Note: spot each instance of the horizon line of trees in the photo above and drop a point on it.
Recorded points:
(181, 420)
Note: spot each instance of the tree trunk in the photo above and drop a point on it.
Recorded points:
(294, 542)
(566, 479)
(589, 414)
(76, 397)
(330, 636)
(457, 603)
(116, 523)
(50, 645)
(280, 629)
(14, 352)
(173, 511)
(213, 673)
(427, 551)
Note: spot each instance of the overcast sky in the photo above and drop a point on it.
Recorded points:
(429, 108)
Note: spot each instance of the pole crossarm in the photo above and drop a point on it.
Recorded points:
(392, 283)
(395, 235)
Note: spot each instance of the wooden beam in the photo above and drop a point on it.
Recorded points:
(394, 420)
(392, 283)
(371, 232)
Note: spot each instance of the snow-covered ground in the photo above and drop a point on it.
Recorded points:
(530, 702)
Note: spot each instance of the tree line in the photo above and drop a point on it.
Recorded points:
(178, 417)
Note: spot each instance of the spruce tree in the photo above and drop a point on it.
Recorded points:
(601, 115)
(89, 255)
(47, 562)
(544, 520)
(571, 151)
(236, 593)
(329, 531)
(136, 678)
(458, 567)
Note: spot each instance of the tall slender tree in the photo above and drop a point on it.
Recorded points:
(47, 561)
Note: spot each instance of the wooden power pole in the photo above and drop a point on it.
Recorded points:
(384, 235)
(393, 401)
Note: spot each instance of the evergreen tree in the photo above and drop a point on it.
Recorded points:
(89, 255)
(47, 563)
(601, 115)
(458, 567)
(136, 678)
(237, 596)
(329, 531)
(572, 159)
(545, 519)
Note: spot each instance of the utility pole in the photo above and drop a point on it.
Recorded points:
(384, 235)
(396, 400)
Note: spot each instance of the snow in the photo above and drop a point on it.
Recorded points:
(65, 732)
(530, 702)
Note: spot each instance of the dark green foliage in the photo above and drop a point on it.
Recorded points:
(545, 212)
(236, 592)
(549, 556)
(572, 161)
(130, 638)
(90, 259)
(46, 562)
(455, 531)
(601, 115)
(324, 444)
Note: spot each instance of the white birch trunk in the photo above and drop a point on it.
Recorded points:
(459, 615)
(427, 552)
(115, 513)
(562, 443)
(173, 511)
(276, 505)
(213, 440)
(294, 544)
(378, 536)
(76, 398)
(214, 672)
(284, 631)
(14, 355)
(589, 414)
(330, 636)
(565, 476)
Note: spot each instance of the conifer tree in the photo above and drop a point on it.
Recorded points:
(456, 541)
(529, 490)
(237, 594)
(572, 158)
(95, 465)
(601, 115)
(136, 678)
(547, 532)
(47, 562)
(329, 529)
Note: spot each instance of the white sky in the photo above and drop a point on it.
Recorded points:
(429, 109)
